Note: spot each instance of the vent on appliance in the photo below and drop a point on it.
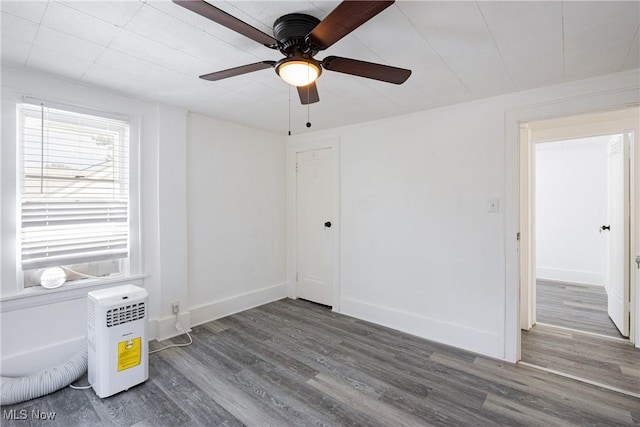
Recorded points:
(91, 324)
(91, 314)
(125, 314)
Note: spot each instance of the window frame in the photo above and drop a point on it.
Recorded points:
(56, 120)
(14, 289)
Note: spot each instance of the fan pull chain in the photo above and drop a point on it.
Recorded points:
(289, 110)
(308, 108)
(42, 148)
(308, 99)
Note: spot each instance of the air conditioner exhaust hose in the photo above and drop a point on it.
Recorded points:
(17, 390)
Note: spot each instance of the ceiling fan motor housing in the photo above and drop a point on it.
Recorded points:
(290, 31)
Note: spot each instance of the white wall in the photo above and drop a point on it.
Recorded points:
(419, 250)
(229, 170)
(237, 223)
(571, 205)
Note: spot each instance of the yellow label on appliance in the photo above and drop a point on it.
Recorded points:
(129, 353)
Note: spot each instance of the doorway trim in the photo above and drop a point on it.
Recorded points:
(563, 129)
(293, 149)
(613, 99)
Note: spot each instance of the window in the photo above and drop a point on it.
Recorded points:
(74, 192)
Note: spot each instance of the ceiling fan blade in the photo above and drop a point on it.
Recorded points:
(342, 20)
(370, 70)
(244, 69)
(308, 94)
(231, 22)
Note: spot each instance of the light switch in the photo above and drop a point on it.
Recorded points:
(493, 205)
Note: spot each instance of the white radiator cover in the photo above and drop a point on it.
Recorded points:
(117, 340)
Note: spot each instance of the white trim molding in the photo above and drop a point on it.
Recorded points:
(225, 307)
(165, 328)
(570, 276)
(478, 341)
(21, 364)
(37, 295)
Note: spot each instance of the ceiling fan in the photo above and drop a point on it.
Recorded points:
(299, 37)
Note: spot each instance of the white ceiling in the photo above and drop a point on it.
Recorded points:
(458, 51)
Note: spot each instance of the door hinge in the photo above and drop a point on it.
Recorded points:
(518, 235)
(296, 276)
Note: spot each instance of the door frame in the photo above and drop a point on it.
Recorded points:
(562, 129)
(526, 208)
(610, 99)
(293, 149)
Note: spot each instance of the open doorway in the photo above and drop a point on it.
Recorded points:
(581, 235)
(577, 290)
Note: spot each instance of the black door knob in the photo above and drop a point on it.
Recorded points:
(327, 224)
(605, 227)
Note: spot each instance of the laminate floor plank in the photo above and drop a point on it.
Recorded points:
(221, 386)
(295, 363)
(331, 411)
(344, 330)
(615, 363)
(575, 306)
(536, 391)
(291, 335)
(202, 409)
(383, 413)
(251, 379)
(276, 357)
(285, 345)
(448, 397)
(369, 386)
(612, 405)
(585, 348)
(523, 413)
(76, 406)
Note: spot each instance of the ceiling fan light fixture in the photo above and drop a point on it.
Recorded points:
(298, 71)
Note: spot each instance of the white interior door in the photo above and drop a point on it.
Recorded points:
(618, 287)
(314, 233)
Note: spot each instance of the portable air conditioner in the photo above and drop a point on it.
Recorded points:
(117, 339)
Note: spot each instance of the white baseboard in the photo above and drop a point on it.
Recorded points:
(487, 343)
(38, 359)
(570, 276)
(165, 328)
(217, 309)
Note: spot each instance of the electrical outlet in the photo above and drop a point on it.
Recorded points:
(175, 307)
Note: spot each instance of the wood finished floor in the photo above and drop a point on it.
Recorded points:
(615, 363)
(581, 307)
(296, 363)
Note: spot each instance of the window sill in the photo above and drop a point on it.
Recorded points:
(37, 295)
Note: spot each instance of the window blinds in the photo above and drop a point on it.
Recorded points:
(75, 187)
